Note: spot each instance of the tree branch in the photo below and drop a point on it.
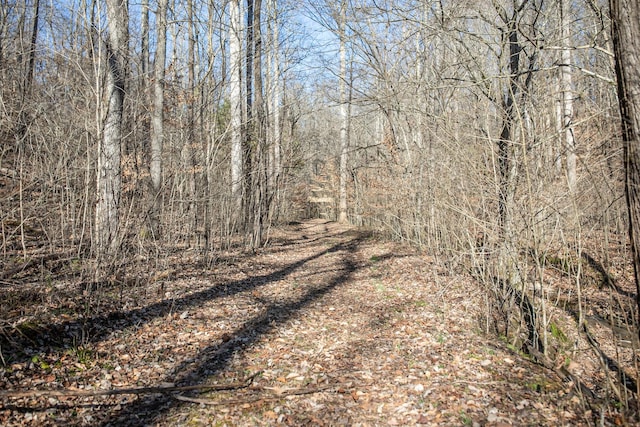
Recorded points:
(135, 390)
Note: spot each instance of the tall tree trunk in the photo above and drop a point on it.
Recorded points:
(4, 14)
(236, 101)
(274, 98)
(142, 115)
(249, 137)
(625, 18)
(157, 114)
(109, 155)
(507, 162)
(32, 47)
(344, 117)
(559, 148)
(215, 37)
(260, 200)
(144, 43)
(566, 83)
(187, 154)
(29, 71)
(513, 110)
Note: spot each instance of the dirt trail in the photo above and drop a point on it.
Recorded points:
(340, 328)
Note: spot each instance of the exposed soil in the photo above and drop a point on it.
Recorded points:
(326, 326)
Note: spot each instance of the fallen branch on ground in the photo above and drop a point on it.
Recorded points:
(252, 399)
(33, 262)
(625, 379)
(135, 390)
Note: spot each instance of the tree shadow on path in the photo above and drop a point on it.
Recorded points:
(214, 358)
(65, 335)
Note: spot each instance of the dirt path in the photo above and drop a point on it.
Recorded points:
(340, 329)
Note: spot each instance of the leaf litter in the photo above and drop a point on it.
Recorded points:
(326, 326)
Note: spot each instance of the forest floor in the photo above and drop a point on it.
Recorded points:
(327, 325)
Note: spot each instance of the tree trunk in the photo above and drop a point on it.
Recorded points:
(566, 83)
(215, 37)
(274, 120)
(235, 95)
(23, 119)
(189, 206)
(249, 137)
(344, 116)
(260, 200)
(507, 162)
(32, 47)
(109, 155)
(625, 18)
(558, 149)
(277, 94)
(157, 114)
(144, 30)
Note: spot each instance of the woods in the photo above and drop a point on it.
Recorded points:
(500, 138)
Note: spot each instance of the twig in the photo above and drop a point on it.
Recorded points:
(136, 390)
(625, 379)
(251, 399)
(30, 263)
(562, 372)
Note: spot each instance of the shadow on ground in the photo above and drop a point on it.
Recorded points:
(55, 338)
(213, 359)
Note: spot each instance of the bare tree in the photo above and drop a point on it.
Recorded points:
(625, 16)
(32, 46)
(188, 184)
(259, 175)
(566, 94)
(157, 114)
(508, 166)
(144, 33)
(344, 115)
(27, 59)
(236, 100)
(109, 151)
(274, 90)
